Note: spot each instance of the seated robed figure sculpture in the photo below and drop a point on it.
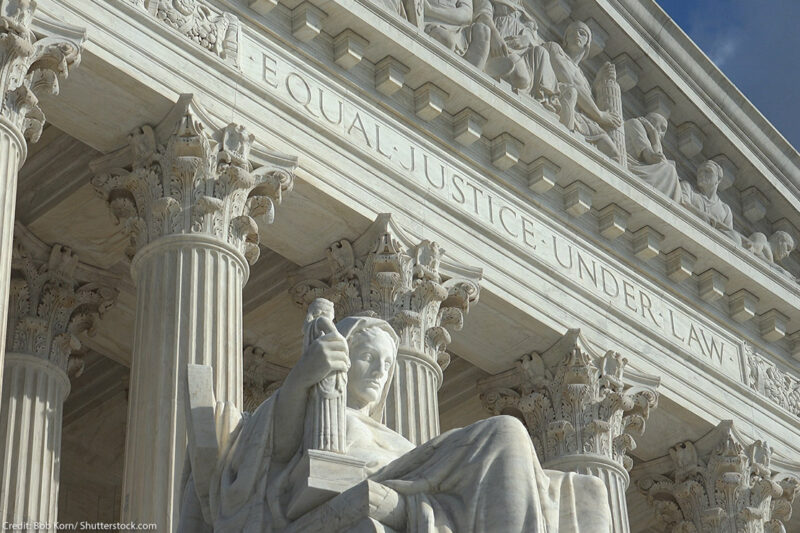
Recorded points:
(482, 478)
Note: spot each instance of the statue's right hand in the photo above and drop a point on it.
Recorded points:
(326, 354)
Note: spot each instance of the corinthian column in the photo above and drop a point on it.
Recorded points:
(579, 412)
(52, 301)
(719, 484)
(187, 197)
(30, 66)
(384, 274)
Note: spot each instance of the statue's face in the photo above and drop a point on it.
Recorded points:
(707, 178)
(578, 36)
(372, 353)
(784, 247)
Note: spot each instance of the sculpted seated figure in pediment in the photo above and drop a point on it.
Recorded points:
(705, 203)
(482, 478)
(515, 54)
(460, 25)
(646, 159)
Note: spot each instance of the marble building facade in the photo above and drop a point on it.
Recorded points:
(565, 212)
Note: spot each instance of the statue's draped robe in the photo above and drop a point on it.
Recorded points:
(662, 175)
(482, 478)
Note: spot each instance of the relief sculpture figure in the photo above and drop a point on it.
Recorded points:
(485, 477)
(646, 159)
(515, 54)
(772, 250)
(705, 202)
(462, 26)
(575, 102)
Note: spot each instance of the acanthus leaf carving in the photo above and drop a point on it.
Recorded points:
(31, 65)
(718, 484)
(383, 274)
(53, 300)
(573, 401)
(187, 176)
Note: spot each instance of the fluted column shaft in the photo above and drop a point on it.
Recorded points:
(12, 153)
(189, 310)
(33, 396)
(412, 407)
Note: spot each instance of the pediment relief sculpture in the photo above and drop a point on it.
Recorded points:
(771, 250)
(316, 451)
(704, 201)
(596, 119)
(646, 158)
(462, 26)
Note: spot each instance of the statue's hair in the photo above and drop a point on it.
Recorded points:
(654, 117)
(781, 235)
(575, 24)
(714, 166)
(350, 327)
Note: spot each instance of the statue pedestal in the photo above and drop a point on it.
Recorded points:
(324, 475)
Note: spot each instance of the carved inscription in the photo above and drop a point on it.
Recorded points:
(436, 177)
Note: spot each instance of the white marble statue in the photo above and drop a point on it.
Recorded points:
(482, 478)
(514, 53)
(705, 203)
(772, 250)
(460, 25)
(646, 159)
(575, 103)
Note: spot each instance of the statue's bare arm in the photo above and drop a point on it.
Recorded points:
(325, 355)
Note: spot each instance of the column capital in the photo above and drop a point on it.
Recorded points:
(574, 401)
(31, 63)
(189, 176)
(384, 273)
(719, 483)
(53, 299)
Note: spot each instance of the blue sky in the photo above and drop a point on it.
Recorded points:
(756, 43)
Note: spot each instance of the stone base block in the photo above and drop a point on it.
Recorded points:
(325, 475)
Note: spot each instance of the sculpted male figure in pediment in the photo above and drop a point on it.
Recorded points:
(482, 478)
(646, 159)
(705, 203)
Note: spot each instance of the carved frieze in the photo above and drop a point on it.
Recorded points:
(31, 65)
(764, 377)
(384, 274)
(719, 484)
(573, 401)
(217, 31)
(53, 299)
(187, 177)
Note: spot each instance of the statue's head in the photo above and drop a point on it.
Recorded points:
(578, 38)
(709, 174)
(373, 353)
(782, 245)
(659, 123)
